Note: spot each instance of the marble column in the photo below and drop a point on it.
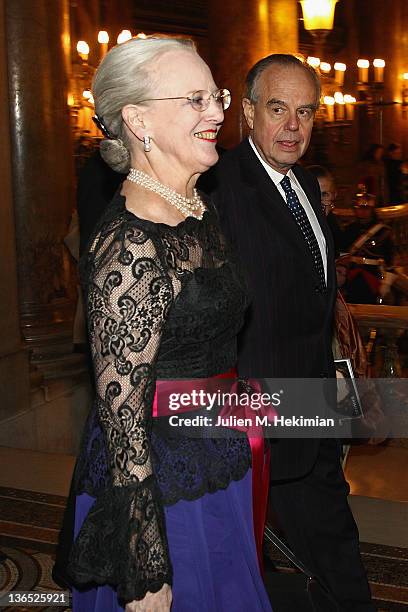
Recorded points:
(37, 42)
(14, 371)
(241, 33)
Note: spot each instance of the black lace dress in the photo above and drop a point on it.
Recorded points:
(162, 303)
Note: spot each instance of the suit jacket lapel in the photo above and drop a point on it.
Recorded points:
(267, 197)
(316, 205)
(269, 200)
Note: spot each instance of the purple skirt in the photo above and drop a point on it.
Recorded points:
(212, 550)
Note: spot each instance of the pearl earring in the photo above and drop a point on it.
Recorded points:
(146, 144)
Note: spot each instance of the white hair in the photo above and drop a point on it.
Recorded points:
(123, 77)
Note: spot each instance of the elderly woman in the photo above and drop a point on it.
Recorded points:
(162, 520)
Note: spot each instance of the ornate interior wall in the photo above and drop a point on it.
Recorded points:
(43, 383)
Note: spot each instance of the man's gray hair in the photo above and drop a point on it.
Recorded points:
(277, 59)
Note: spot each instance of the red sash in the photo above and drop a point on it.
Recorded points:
(260, 454)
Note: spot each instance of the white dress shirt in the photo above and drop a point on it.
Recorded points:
(276, 178)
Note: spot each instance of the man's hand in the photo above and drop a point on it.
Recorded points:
(152, 602)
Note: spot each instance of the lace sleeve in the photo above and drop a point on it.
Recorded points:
(122, 540)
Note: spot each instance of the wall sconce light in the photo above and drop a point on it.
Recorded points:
(80, 100)
(313, 61)
(103, 40)
(329, 103)
(325, 67)
(363, 66)
(339, 70)
(318, 15)
(87, 95)
(340, 110)
(349, 102)
(124, 36)
(318, 18)
(378, 70)
(83, 50)
(371, 92)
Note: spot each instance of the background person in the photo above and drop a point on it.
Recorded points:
(369, 244)
(328, 194)
(393, 171)
(97, 184)
(371, 172)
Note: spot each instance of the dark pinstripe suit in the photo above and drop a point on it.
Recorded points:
(288, 328)
(288, 333)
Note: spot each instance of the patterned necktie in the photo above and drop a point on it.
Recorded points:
(303, 222)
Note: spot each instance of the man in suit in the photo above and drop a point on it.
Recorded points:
(287, 254)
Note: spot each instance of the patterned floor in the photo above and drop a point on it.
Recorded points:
(29, 528)
(27, 570)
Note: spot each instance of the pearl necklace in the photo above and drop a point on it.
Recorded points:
(190, 207)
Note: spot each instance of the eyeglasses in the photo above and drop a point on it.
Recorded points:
(200, 100)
